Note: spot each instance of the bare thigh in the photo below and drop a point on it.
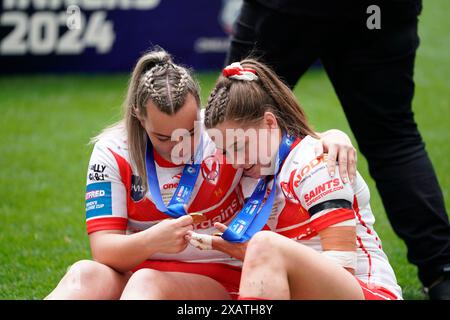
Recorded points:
(91, 280)
(278, 267)
(159, 285)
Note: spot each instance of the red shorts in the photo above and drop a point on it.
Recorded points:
(376, 292)
(228, 276)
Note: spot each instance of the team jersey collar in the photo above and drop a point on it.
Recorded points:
(161, 162)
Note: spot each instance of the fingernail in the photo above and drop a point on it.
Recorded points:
(344, 179)
(332, 174)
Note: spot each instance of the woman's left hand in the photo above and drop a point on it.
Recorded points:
(339, 148)
(215, 242)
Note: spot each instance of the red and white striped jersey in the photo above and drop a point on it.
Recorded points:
(308, 200)
(116, 200)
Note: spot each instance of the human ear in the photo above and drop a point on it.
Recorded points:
(270, 120)
(139, 116)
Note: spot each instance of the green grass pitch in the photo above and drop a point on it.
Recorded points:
(46, 122)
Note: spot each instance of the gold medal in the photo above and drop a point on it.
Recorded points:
(197, 217)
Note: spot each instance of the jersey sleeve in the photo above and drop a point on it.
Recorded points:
(106, 206)
(327, 199)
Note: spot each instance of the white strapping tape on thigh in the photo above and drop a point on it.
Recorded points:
(346, 259)
(201, 241)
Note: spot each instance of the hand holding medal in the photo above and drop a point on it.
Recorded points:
(216, 242)
(197, 217)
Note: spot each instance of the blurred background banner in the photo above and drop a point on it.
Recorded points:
(109, 35)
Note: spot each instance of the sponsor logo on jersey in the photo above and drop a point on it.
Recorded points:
(322, 190)
(137, 189)
(303, 172)
(100, 168)
(94, 194)
(98, 199)
(224, 214)
(97, 172)
(211, 169)
(172, 185)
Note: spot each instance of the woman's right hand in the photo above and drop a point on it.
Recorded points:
(216, 242)
(168, 236)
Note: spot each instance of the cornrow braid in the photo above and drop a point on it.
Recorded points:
(167, 85)
(216, 107)
(182, 84)
(149, 81)
(169, 89)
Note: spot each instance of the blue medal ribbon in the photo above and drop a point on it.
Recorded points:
(175, 207)
(255, 213)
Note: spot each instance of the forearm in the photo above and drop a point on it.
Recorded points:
(123, 252)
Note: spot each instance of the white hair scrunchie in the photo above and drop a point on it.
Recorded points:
(237, 72)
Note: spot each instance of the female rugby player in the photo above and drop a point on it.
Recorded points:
(320, 242)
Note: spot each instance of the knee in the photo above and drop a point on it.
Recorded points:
(263, 247)
(85, 272)
(79, 281)
(146, 276)
(87, 268)
(146, 284)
